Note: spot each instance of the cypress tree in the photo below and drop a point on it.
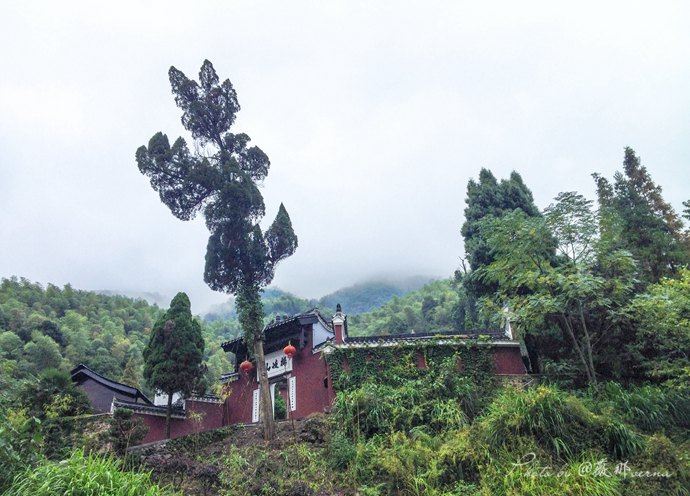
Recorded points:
(173, 358)
(488, 198)
(221, 181)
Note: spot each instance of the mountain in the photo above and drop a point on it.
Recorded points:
(275, 300)
(355, 299)
(53, 327)
(368, 295)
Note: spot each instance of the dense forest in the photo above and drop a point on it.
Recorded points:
(61, 327)
(597, 290)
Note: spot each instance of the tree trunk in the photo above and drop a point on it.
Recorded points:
(266, 405)
(580, 353)
(588, 343)
(168, 413)
(251, 314)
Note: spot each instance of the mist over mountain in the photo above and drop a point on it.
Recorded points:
(152, 298)
(356, 299)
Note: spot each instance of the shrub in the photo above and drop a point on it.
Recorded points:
(83, 475)
(341, 451)
(125, 430)
(564, 481)
(382, 409)
(20, 443)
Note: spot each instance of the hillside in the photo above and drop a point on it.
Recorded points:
(433, 307)
(366, 296)
(61, 327)
(448, 442)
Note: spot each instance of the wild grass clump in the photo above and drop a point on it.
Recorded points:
(649, 408)
(373, 409)
(84, 475)
(542, 479)
(557, 421)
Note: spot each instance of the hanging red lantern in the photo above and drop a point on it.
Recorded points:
(289, 350)
(246, 366)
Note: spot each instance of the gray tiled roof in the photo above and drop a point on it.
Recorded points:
(304, 317)
(82, 369)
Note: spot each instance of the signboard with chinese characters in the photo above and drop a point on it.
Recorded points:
(277, 363)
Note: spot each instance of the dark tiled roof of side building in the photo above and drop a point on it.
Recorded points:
(83, 370)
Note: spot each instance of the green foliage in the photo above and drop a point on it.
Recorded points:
(221, 180)
(430, 308)
(649, 408)
(125, 430)
(557, 422)
(54, 400)
(584, 296)
(540, 441)
(280, 406)
(173, 357)
(375, 399)
(295, 470)
(106, 332)
(662, 318)
(83, 475)
(20, 442)
(487, 199)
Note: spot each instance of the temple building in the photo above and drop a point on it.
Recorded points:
(304, 380)
(296, 350)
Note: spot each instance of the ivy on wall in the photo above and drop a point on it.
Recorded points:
(383, 389)
(397, 365)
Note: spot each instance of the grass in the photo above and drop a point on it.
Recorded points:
(84, 475)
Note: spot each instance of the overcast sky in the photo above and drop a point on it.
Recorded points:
(374, 116)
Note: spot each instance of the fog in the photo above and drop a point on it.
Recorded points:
(374, 116)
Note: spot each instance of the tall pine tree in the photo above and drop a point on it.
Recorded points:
(635, 217)
(173, 358)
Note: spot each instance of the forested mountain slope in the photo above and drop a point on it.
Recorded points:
(358, 298)
(56, 327)
(433, 307)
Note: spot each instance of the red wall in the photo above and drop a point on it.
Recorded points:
(212, 418)
(508, 360)
(309, 370)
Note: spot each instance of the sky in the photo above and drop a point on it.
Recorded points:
(374, 115)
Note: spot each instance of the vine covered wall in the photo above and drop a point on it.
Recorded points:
(396, 365)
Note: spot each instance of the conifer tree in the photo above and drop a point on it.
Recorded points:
(486, 199)
(635, 217)
(221, 181)
(173, 358)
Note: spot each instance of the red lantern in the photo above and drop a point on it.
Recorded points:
(246, 366)
(289, 350)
